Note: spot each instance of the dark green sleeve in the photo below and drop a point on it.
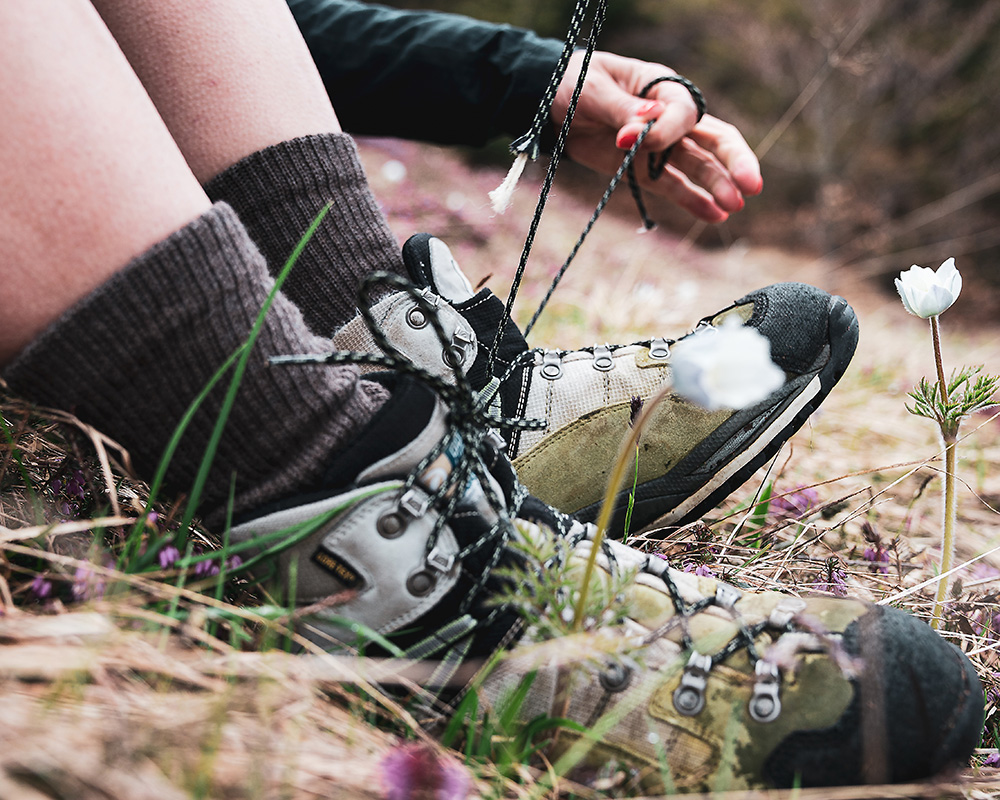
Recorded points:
(425, 75)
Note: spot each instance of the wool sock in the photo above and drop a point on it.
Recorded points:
(278, 191)
(130, 358)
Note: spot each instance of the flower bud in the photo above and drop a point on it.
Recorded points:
(926, 292)
(725, 367)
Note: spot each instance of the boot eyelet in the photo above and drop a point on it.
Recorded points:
(416, 318)
(615, 677)
(454, 356)
(689, 697)
(390, 525)
(420, 584)
(784, 612)
(603, 361)
(659, 349)
(727, 596)
(689, 700)
(551, 366)
(765, 702)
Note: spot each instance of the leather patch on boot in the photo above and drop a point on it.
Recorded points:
(338, 568)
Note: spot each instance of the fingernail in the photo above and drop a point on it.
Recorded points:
(649, 108)
(626, 140)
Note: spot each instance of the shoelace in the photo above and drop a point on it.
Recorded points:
(530, 144)
(466, 442)
(689, 698)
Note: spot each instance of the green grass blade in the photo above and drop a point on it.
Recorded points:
(211, 448)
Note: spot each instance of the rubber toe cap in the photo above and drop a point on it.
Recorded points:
(918, 709)
(804, 324)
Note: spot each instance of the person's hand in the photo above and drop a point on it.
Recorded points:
(711, 168)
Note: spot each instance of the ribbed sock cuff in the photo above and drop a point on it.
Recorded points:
(130, 358)
(280, 190)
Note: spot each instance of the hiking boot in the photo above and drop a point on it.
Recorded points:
(704, 688)
(690, 459)
(421, 541)
(409, 523)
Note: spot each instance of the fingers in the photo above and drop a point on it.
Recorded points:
(680, 114)
(712, 154)
(712, 168)
(712, 163)
(730, 149)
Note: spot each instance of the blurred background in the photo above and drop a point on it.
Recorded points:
(876, 121)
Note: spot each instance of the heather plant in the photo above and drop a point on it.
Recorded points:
(927, 294)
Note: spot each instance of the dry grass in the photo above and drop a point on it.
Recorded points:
(108, 700)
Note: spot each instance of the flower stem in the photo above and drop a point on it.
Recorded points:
(629, 446)
(631, 497)
(938, 361)
(948, 539)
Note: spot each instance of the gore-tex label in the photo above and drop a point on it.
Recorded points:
(339, 568)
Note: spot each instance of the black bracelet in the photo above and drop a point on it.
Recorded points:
(658, 162)
(696, 95)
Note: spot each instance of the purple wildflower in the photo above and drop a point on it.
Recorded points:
(168, 556)
(635, 409)
(701, 570)
(795, 504)
(992, 760)
(206, 569)
(415, 771)
(992, 693)
(835, 583)
(234, 562)
(151, 518)
(879, 557)
(87, 584)
(75, 485)
(41, 587)
(878, 553)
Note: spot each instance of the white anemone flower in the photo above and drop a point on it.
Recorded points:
(725, 367)
(926, 292)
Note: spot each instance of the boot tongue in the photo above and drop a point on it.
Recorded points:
(400, 433)
(431, 264)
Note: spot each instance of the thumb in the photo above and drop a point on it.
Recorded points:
(634, 119)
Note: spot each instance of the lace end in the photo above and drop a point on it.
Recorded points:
(501, 196)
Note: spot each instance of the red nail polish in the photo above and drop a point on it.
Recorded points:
(626, 140)
(649, 108)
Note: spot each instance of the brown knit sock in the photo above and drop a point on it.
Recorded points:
(278, 192)
(130, 358)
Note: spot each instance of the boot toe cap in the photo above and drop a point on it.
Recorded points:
(918, 709)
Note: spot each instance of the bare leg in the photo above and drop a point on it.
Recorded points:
(238, 90)
(90, 176)
(229, 77)
(122, 288)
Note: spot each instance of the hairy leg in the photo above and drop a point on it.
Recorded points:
(238, 90)
(229, 77)
(90, 176)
